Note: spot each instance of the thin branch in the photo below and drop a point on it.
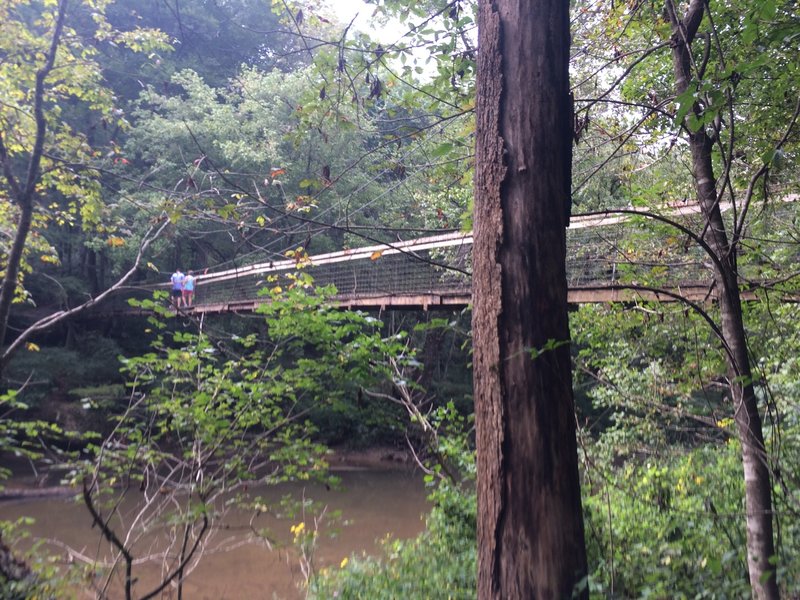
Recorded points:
(167, 580)
(624, 74)
(39, 101)
(740, 223)
(663, 219)
(683, 299)
(62, 315)
(25, 196)
(629, 134)
(109, 534)
(332, 226)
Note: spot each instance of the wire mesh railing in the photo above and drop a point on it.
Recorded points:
(424, 266)
(610, 251)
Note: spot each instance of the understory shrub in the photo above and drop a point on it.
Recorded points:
(666, 528)
(439, 563)
(675, 527)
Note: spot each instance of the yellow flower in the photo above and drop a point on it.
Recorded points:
(344, 562)
(297, 529)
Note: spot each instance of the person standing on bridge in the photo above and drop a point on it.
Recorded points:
(177, 288)
(188, 288)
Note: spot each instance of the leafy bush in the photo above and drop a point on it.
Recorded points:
(54, 371)
(671, 528)
(668, 528)
(675, 528)
(439, 563)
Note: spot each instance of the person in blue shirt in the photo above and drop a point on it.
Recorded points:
(177, 288)
(188, 289)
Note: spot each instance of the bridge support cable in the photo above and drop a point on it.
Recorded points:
(608, 256)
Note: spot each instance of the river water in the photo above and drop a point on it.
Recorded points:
(374, 504)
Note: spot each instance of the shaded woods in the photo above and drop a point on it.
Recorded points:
(636, 449)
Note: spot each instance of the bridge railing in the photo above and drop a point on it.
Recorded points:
(609, 251)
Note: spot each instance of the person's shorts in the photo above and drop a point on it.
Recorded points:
(177, 293)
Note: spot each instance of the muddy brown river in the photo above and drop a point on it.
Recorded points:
(374, 504)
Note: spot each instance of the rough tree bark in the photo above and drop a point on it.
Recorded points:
(758, 497)
(530, 526)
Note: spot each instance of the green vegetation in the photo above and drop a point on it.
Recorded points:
(136, 137)
(662, 484)
(205, 420)
(440, 563)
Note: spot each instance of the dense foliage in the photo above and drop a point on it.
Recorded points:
(222, 133)
(661, 474)
(440, 563)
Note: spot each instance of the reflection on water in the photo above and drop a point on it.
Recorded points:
(373, 504)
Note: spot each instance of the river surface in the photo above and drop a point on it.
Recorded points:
(374, 504)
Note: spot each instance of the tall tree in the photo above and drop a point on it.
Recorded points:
(711, 86)
(46, 163)
(758, 500)
(214, 39)
(21, 185)
(530, 527)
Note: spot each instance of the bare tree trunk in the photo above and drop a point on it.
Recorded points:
(530, 525)
(758, 495)
(9, 284)
(91, 272)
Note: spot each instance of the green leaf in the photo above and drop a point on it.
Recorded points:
(693, 123)
(685, 102)
(442, 149)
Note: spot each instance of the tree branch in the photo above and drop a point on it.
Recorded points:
(62, 315)
(697, 239)
(187, 558)
(740, 222)
(684, 300)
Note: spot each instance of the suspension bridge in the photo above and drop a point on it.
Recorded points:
(609, 259)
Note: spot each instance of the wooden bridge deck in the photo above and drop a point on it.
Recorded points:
(700, 293)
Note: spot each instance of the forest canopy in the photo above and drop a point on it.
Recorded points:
(139, 138)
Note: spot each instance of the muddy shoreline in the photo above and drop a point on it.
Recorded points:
(25, 484)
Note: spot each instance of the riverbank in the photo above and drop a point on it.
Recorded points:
(29, 482)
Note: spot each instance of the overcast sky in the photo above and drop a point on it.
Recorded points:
(345, 10)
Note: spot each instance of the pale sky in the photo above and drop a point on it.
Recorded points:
(388, 34)
(345, 10)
